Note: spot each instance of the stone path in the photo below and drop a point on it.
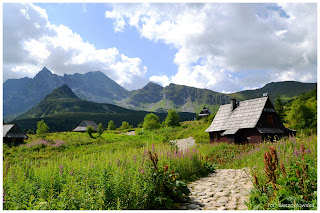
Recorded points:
(226, 189)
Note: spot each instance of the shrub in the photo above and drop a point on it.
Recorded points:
(90, 131)
(100, 129)
(151, 122)
(125, 125)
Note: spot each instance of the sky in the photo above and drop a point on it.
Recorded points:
(221, 47)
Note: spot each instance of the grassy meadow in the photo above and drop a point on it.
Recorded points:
(144, 171)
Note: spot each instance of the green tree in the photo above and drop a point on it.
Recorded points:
(42, 129)
(198, 117)
(100, 129)
(300, 115)
(151, 122)
(172, 118)
(125, 125)
(111, 125)
(90, 131)
(279, 108)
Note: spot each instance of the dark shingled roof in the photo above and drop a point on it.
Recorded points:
(83, 126)
(12, 131)
(246, 115)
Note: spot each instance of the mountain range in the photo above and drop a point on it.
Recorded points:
(62, 110)
(20, 95)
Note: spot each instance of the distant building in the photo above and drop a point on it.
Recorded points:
(84, 124)
(249, 121)
(204, 112)
(13, 134)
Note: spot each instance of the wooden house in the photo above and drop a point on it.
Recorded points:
(12, 134)
(249, 121)
(84, 124)
(204, 112)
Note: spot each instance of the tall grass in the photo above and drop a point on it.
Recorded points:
(118, 179)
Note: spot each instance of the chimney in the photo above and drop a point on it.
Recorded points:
(233, 103)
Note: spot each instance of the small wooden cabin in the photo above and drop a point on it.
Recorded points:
(84, 124)
(249, 121)
(12, 134)
(204, 112)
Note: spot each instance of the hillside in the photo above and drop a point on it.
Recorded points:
(153, 97)
(287, 90)
(62, 110)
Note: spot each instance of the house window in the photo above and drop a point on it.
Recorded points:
(270, 120)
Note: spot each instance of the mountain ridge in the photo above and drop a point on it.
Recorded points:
(20, 95)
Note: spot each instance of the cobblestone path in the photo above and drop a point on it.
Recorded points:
(226, 189)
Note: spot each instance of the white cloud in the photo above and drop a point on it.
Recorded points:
(229, 46)
(163, 80)
(32, 42)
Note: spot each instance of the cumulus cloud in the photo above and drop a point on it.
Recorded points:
(227, 47)
(163, 80)
(32, 42)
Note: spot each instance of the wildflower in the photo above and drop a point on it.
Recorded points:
(295, 152)
(308, 151)
(134, 158)
(117, 161)
(72, 172)
(152, 147)
(141, 170)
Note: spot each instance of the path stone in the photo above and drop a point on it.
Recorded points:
(226, 189)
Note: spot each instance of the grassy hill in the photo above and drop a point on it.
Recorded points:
(286, 90)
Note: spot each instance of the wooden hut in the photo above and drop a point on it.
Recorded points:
(249, 121)
(84, 124)
(204, 112)
(12, 134)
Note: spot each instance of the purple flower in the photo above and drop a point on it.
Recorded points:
(152, 147)
(72, 172)
(308, 151)
(61, 166)
(134, 158)
(141, 170)
(117, 161)
(295, 152)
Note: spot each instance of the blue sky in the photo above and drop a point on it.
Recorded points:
(222, 47)
(89, 21)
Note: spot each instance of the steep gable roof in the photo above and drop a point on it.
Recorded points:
(12, 131)
(246, 115)
(83, 126)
